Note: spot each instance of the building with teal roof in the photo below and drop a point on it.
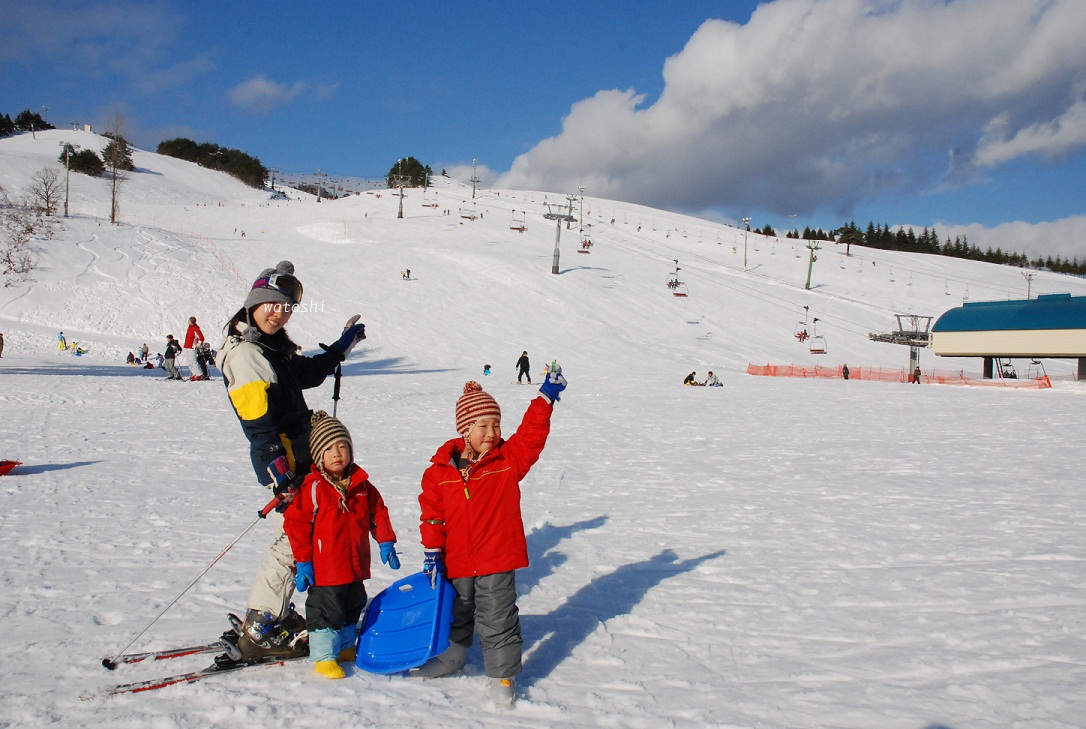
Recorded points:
(1052, 326)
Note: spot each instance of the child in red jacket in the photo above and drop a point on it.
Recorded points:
(473, 531)
(329, 524)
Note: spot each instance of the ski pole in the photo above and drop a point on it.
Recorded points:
(111, 663)
(335, 389)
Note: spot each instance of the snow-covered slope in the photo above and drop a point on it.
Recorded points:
(192, 239)
(773, 553)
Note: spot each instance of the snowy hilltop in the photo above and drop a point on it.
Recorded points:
(771, 553)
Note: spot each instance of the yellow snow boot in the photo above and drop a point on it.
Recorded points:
(329, 669)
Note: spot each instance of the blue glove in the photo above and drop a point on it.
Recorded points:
(285, 484)
(432, 565)
(554, 383)
(388, 555)
(304, 579)
(353, 333)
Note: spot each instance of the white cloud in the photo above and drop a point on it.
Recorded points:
(1066, 133)
(261, 95)
(824, 103)
(1055, 238)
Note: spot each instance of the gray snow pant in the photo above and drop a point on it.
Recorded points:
(488, 604)
(170, 367)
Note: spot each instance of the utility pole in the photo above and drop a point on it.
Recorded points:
(318, 175)
(68, 148)
(558, 218)
(1027, 274)
(812, 246)
(474, 177)
(570, 198)
(399, 181)
(580, 215)
(746, 227)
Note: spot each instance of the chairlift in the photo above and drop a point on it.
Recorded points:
(429, 202)
(1006, 369)
(818, 342)
(1035, 370)
(801, 328)
(519, 223)
(586, 243)
(677, 287)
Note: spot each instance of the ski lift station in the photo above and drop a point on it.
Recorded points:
(1052, 325)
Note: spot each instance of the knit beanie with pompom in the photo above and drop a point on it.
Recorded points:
(473, 406)
(263, 293)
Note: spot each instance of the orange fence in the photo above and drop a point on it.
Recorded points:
(885, 374)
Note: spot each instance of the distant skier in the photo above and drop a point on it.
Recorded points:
(193, 338)
(173, 348)
(486, 370)
(712, 380)
(524, 366)
(844, 371)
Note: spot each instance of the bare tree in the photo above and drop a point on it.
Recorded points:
(45, 189)
(118, 158)
(17, 226)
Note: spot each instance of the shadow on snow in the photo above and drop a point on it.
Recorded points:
(606, 597)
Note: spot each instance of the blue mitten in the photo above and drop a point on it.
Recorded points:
(432, 566)
(388, 555)
(353, 333)
(304, 579)
(554, 383)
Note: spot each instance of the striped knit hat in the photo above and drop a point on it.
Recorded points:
(473, 406)
(326, 432)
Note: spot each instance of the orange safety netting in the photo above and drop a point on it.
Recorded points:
(885, 374)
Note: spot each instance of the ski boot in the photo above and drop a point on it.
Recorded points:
(262, 636)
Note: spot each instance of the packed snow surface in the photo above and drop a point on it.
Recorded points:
(771, 553)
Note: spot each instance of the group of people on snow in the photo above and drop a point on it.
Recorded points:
(196, 354)
(711, 380)
(328, 509)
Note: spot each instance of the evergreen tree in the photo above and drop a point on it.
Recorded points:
(414, 173)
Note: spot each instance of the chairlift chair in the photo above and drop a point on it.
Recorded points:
(818, 342)
(678, 288)
(586, 244)
(800, 332)
(518, 223)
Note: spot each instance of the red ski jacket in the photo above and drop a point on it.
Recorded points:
(476, 520)
(334, 540)
(192, 334)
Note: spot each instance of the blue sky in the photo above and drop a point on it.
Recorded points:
(969, 115)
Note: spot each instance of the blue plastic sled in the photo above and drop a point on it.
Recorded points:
(406, 625)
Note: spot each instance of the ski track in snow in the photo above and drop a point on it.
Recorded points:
(772, 553)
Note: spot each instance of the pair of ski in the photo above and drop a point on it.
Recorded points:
(214, 669)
